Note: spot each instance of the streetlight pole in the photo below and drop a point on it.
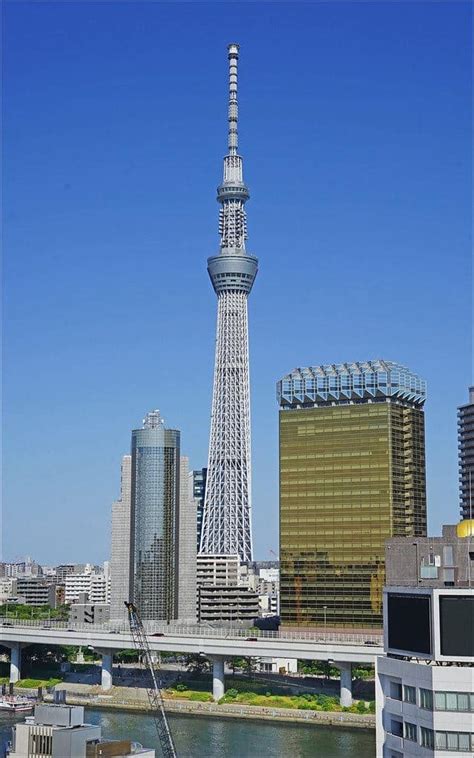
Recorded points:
(325, 609)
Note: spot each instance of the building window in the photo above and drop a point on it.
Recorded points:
(461, 742)
(42, 744)
(427, 736)
(448, 576)
(396, 727)
(448, 559)
(395, 690)
(426, 699)
(409, 694)
(428, 572)
(410, 732)
(454, 701)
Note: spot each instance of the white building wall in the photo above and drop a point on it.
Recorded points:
(6, 588)
(279, 665)
(99, 589)
(120, 569)
(187, 527)
(75, 584)
(432, 677)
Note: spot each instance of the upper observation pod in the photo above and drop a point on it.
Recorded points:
(239, 269)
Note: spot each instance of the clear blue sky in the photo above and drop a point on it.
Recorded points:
(355, 132)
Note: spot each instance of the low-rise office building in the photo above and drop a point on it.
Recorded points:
(227, 604)
(223, 593)
(36, 591)
(431, 561)
(425, 684)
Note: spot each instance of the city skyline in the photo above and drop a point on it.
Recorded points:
(100, 186)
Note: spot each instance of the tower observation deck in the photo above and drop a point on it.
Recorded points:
(226, 527)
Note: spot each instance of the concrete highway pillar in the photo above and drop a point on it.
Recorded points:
(346, 683)
(107, 667)
(15, 661)
(218, 685)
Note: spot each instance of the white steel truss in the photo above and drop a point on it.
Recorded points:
(227, 510)
(226, 526)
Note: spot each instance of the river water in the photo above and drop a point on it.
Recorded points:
(202, 737)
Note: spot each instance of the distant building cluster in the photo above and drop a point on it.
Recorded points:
(156, 531)
(28, 583)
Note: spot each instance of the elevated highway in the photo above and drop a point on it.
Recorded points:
(216, 644)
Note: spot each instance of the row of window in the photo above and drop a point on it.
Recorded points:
(437, 701)
(462, 742)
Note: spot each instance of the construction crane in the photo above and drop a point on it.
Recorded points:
(155, 697)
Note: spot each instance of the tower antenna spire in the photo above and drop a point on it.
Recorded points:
(233, 104)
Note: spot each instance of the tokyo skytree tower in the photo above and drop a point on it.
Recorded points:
(226, 527)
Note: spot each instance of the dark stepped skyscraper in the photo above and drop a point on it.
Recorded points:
(466, 456)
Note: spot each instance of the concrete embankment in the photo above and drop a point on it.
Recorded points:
(237, 711)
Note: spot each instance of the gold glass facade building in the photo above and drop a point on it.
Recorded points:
(352, 474)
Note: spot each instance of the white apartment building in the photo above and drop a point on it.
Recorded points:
(218, 569)
(95, 585)
(99, 588)
(75, 585)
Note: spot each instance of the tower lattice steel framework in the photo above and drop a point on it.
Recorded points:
(227, 527)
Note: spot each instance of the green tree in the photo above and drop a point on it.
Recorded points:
(196, 664)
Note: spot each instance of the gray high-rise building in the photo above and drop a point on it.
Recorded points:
(198, 485)
(155, 517)
(187, 549)
(120, 566)
(466, 456)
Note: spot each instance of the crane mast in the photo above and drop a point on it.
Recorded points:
(155, 697)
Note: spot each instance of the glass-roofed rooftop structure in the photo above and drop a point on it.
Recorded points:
(351, 383)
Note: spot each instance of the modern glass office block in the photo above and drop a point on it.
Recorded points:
(352, 474)
(155, 503)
